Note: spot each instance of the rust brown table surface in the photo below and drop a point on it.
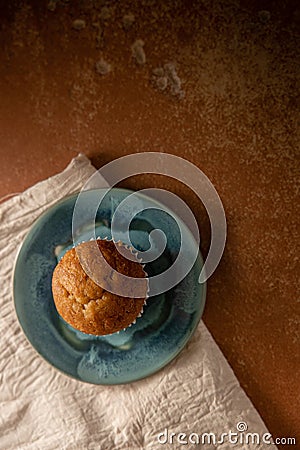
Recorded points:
(234, 116)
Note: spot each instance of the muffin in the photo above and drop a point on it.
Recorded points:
(82, 302)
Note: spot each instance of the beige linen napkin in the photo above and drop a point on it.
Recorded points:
(40, 408)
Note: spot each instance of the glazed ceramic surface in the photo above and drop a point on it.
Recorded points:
(168, 321)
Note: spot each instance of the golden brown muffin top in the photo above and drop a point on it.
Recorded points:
(84, 304)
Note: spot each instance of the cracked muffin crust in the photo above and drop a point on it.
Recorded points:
(83, 303)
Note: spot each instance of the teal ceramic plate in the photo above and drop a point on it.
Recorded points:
(168, 321)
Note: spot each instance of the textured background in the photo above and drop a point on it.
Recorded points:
(235, 117)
